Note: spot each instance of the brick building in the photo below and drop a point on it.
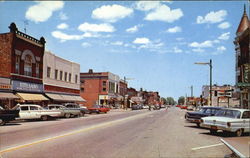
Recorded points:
(100, 88)
(61, 79)
(21, 67)
(242, 53)
(153, 98)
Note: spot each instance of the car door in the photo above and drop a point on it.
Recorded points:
(246, 121)
(35, 112)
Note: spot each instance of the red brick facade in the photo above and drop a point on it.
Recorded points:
(56, 89)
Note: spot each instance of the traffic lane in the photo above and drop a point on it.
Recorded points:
(101, 141)
(36, 130)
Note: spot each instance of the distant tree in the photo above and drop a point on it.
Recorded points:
(181, 100)
(164, 100)
(170, 101)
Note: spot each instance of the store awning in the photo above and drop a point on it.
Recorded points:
(55, 96)
(31, 97)
(79, 98)
(5, 95)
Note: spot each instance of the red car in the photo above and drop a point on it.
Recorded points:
(183, 107)
(178, 106)
(98, 109)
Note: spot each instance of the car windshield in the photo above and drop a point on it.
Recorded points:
(202, 110)
(228, 113)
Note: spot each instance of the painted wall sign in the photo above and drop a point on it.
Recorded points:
(26, 86)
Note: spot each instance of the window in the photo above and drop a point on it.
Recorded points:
(24, 108)
(37, 69)
(104, 89)
(28, 65)
(246, 114)
(56, 74)
(69, 77)
(61, 75)
(76, 77)
(104, 83)
(17, 64)
(82, 89)
(82, 82)
(65, 76)
(33, 108)
(48, 72)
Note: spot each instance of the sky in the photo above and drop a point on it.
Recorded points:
(154, 43)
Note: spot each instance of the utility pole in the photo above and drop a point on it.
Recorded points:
(191, 91)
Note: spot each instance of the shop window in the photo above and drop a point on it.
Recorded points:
(61, 75)
(69, 77)
(56, 74)
(28, 65)
(17, 70)
(65, 76)
(37, 69)
(48, 71)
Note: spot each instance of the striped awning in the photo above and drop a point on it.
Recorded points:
(31, 97)
(5, 95)
(65, 98)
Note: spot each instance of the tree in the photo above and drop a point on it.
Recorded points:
(170, 101)
(164, 100)
(181, 100)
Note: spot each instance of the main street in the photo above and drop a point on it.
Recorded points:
(132, 134)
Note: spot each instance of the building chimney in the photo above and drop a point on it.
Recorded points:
(90, 71)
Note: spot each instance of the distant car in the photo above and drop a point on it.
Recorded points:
(178, 106)
(195, 116)
(228, 120)
(33, 111)
(98, 109)
(163, 106)
(76, 106)
(183, 106)
(65, 112)
(136, 107)
(156, 107)
(145, 107)
(7, 115)
(190, 107)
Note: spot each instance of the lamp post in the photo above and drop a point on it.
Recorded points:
(210, 65)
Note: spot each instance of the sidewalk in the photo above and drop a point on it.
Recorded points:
(120, 110)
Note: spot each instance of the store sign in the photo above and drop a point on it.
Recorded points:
(240, 84)
(26, 86)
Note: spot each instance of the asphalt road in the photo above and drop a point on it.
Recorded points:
(125, 134)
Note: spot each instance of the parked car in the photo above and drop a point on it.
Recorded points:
(228, 120)
(190, 107)
(156, 107)
(145, 107)
(7, 115)
(98, 109)
(195, 116)
(65, 112)
(183, 106)
(78, 107)
(136, 107)
(32, 111)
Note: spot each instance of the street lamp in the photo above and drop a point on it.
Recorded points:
(210, 65)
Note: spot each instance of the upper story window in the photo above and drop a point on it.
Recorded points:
(65, 76)
(48, 72)
(76, 78)
(61, 75)
(17, 67)
(56, 74)
(37, 69)
(69, 77)
(28, 65)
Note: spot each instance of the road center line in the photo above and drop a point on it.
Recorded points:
(208, 146)
(72, 133)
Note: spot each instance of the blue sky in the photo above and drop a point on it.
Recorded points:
(154, 42)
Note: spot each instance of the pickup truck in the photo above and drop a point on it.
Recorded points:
(65, 112)
(7, 115)
(231, 120)
(32, 111)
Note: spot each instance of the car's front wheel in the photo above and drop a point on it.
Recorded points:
(213, 131)
(67, 115)
(2, 122)
(239, 132)
(198, 124)
(44, 118)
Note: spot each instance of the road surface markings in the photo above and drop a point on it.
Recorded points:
(208, 146)
(72, 133)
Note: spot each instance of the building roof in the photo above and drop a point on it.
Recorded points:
(244, 23)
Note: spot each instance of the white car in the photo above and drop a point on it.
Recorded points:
(65, 112)
(32, 111)
(228, 120)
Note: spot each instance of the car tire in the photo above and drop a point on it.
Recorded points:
(82, 114)
(212, 131)
(2, 122)
(44, 118)
(198, 124)
(98, 112)
(239, 132)
(67, 115)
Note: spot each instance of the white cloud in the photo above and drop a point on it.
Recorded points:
(164, 13)
(86, 27)
(65, 37)
(224, 25)
(221, 48)
(86, 44)
(179, 38)
(62, 26)
(111, 13)
(174, 29)
(177, 50)
(141, 41)
(147, 5)
(224, 36)
(117, 43)
(63, 16)
(43, 10)
(212, 17)
(133, 29)
(198, 50)
(201, 45)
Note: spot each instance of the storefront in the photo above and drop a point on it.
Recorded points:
(62, 98)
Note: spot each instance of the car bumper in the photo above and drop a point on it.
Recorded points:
(216, 127)
(193, 120)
